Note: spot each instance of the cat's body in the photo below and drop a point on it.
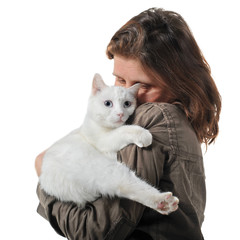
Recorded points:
(83, 165)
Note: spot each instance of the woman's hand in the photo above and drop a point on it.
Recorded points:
(38, 163)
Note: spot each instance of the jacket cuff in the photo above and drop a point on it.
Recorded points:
(41, 211)
(44, 208)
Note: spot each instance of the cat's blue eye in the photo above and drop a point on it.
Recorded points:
(127, 104)
(108, 103)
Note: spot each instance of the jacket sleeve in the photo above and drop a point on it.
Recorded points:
(114, 218)
(103, 219)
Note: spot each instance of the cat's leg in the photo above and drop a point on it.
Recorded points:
(138, 190)
(124, 183)
(123, 136)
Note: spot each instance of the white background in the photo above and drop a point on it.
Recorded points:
(49, 52)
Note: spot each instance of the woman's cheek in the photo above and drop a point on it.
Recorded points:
(142, 97)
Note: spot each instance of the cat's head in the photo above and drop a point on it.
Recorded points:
(111, 106)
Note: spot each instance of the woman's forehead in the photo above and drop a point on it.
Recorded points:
(130, 70)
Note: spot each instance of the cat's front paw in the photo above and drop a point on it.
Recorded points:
(144, 138)
(167, 204)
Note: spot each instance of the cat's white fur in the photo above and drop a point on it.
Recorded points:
(83, 165)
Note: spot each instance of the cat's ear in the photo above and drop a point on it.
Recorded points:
(134, 89)
(98, 84)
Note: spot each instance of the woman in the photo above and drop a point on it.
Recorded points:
(180, 105)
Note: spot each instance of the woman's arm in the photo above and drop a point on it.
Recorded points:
(102, 219)
(38, 163)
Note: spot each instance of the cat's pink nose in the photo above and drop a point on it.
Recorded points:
(120, 115)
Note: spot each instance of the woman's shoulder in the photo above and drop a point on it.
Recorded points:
(158, 113)
(158, 107)
(169, 124)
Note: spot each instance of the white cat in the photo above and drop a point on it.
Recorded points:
(83, 165)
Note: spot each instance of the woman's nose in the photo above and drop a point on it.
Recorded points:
(128, 85)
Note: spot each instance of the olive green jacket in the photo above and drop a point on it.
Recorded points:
(172, 163)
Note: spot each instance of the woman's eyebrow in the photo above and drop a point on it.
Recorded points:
(116, 75)
(134, 81)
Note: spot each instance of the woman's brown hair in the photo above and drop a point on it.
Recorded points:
(163, 43)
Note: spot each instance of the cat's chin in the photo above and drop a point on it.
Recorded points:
(116, 124)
